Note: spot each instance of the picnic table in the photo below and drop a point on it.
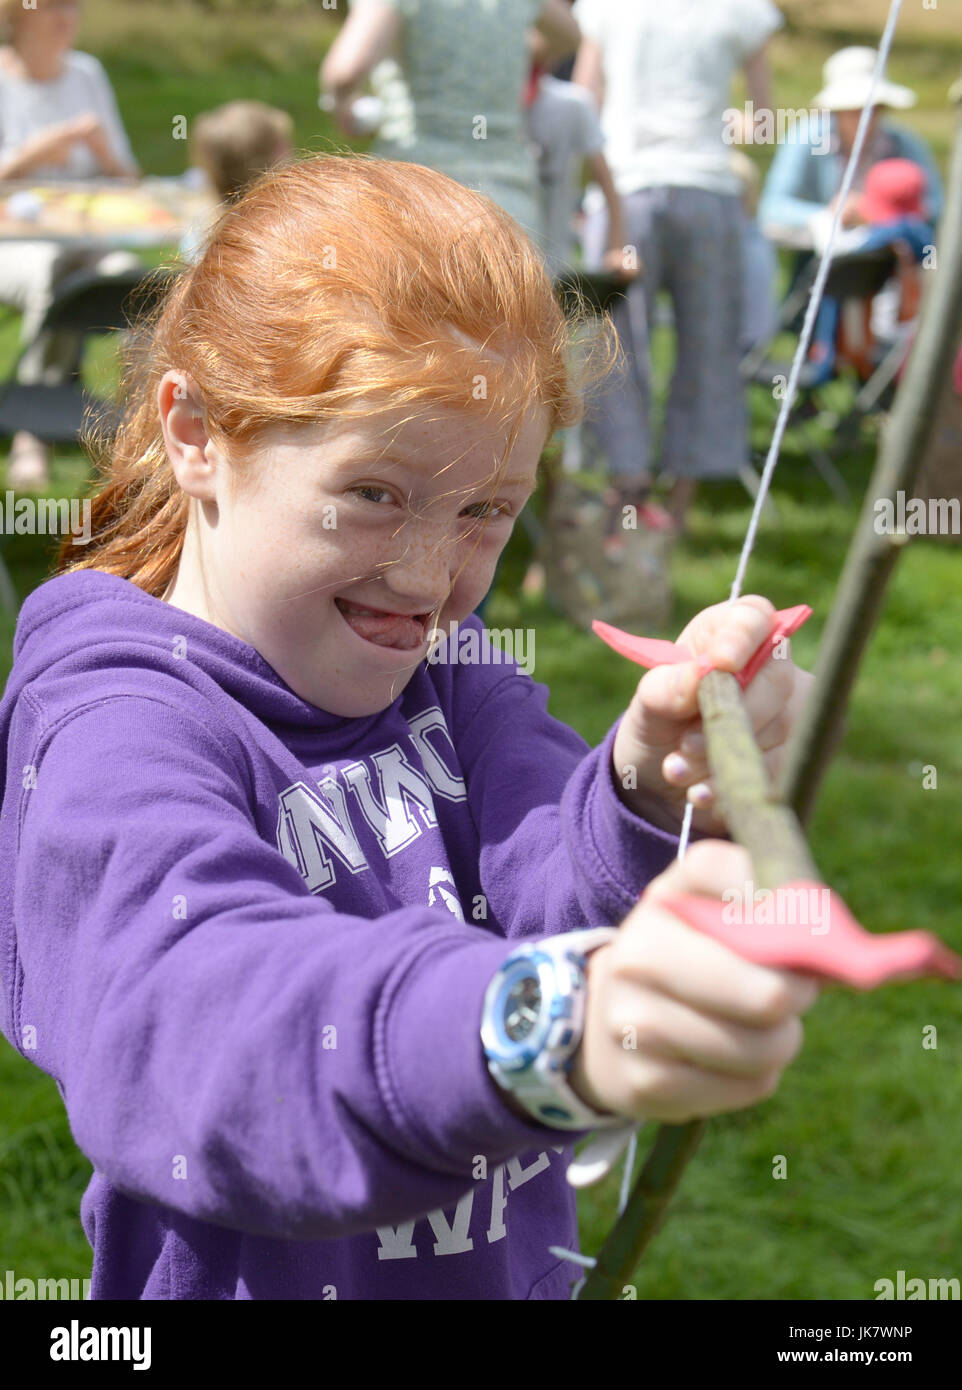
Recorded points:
(112, 213)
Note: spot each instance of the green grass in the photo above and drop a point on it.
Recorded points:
(866, 1118)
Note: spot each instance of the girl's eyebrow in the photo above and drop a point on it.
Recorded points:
(396, 463)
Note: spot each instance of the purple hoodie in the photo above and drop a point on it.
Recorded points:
(250, 941)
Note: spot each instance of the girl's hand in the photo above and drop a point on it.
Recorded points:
(677, 1025)
(659, 752)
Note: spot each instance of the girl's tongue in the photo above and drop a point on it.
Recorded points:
(383, 629)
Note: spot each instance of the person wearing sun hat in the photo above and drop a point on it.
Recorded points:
(806, 173)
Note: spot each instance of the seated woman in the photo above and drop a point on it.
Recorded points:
(58, 120)
(806, 173)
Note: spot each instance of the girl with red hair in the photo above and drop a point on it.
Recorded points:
(270, 869)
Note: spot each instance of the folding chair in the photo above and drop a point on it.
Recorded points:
(88, 305)
(853, 282)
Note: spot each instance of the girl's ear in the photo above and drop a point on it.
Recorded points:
(192, 453)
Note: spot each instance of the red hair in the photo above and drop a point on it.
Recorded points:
(331, 277)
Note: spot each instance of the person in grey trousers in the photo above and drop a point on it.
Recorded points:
(661, 75)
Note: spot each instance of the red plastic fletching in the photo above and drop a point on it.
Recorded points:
(824, 938)
(653, 651)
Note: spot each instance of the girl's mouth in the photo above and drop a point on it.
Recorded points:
(403, 631)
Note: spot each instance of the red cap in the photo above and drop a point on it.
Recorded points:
(894, 188)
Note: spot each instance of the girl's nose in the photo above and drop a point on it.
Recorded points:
(421, 573)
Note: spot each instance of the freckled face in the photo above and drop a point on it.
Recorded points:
(352, 541)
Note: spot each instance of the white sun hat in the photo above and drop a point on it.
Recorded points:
(848, 81)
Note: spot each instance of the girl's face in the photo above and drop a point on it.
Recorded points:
(346, 545)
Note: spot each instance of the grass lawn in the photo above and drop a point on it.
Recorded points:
(866, 1116)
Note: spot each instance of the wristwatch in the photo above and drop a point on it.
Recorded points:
(532, 1023)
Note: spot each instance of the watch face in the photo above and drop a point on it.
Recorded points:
(522, 1007)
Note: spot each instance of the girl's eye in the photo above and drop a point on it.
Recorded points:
(371, 492)
(478, 511)
(482, 510)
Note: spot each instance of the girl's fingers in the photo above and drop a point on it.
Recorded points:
(709, 868)
(667, 956)
(683, 768)
(730, 633)
(675, 1092)
(668, 695)
(658, 1026)
(770, 691)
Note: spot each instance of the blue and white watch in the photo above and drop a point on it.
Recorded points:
(532, 1022)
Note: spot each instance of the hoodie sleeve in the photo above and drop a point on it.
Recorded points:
(559, 849)
(226, 1044)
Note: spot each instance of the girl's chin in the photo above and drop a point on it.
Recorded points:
(354, 697)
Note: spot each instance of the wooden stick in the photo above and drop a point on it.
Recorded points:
(779, 853)
(754, 817)
(674, 1145)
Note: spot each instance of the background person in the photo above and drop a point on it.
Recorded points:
(891, 213)
(453, 100)
(759, 261)
(233, 144)
(662, 76)
(802, 183)
(563, 124)
(58, 120)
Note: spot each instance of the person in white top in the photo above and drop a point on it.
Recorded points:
(662, 74)
(58, 120)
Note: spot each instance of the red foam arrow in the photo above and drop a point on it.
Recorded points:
(823, 938)
(652, 651)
